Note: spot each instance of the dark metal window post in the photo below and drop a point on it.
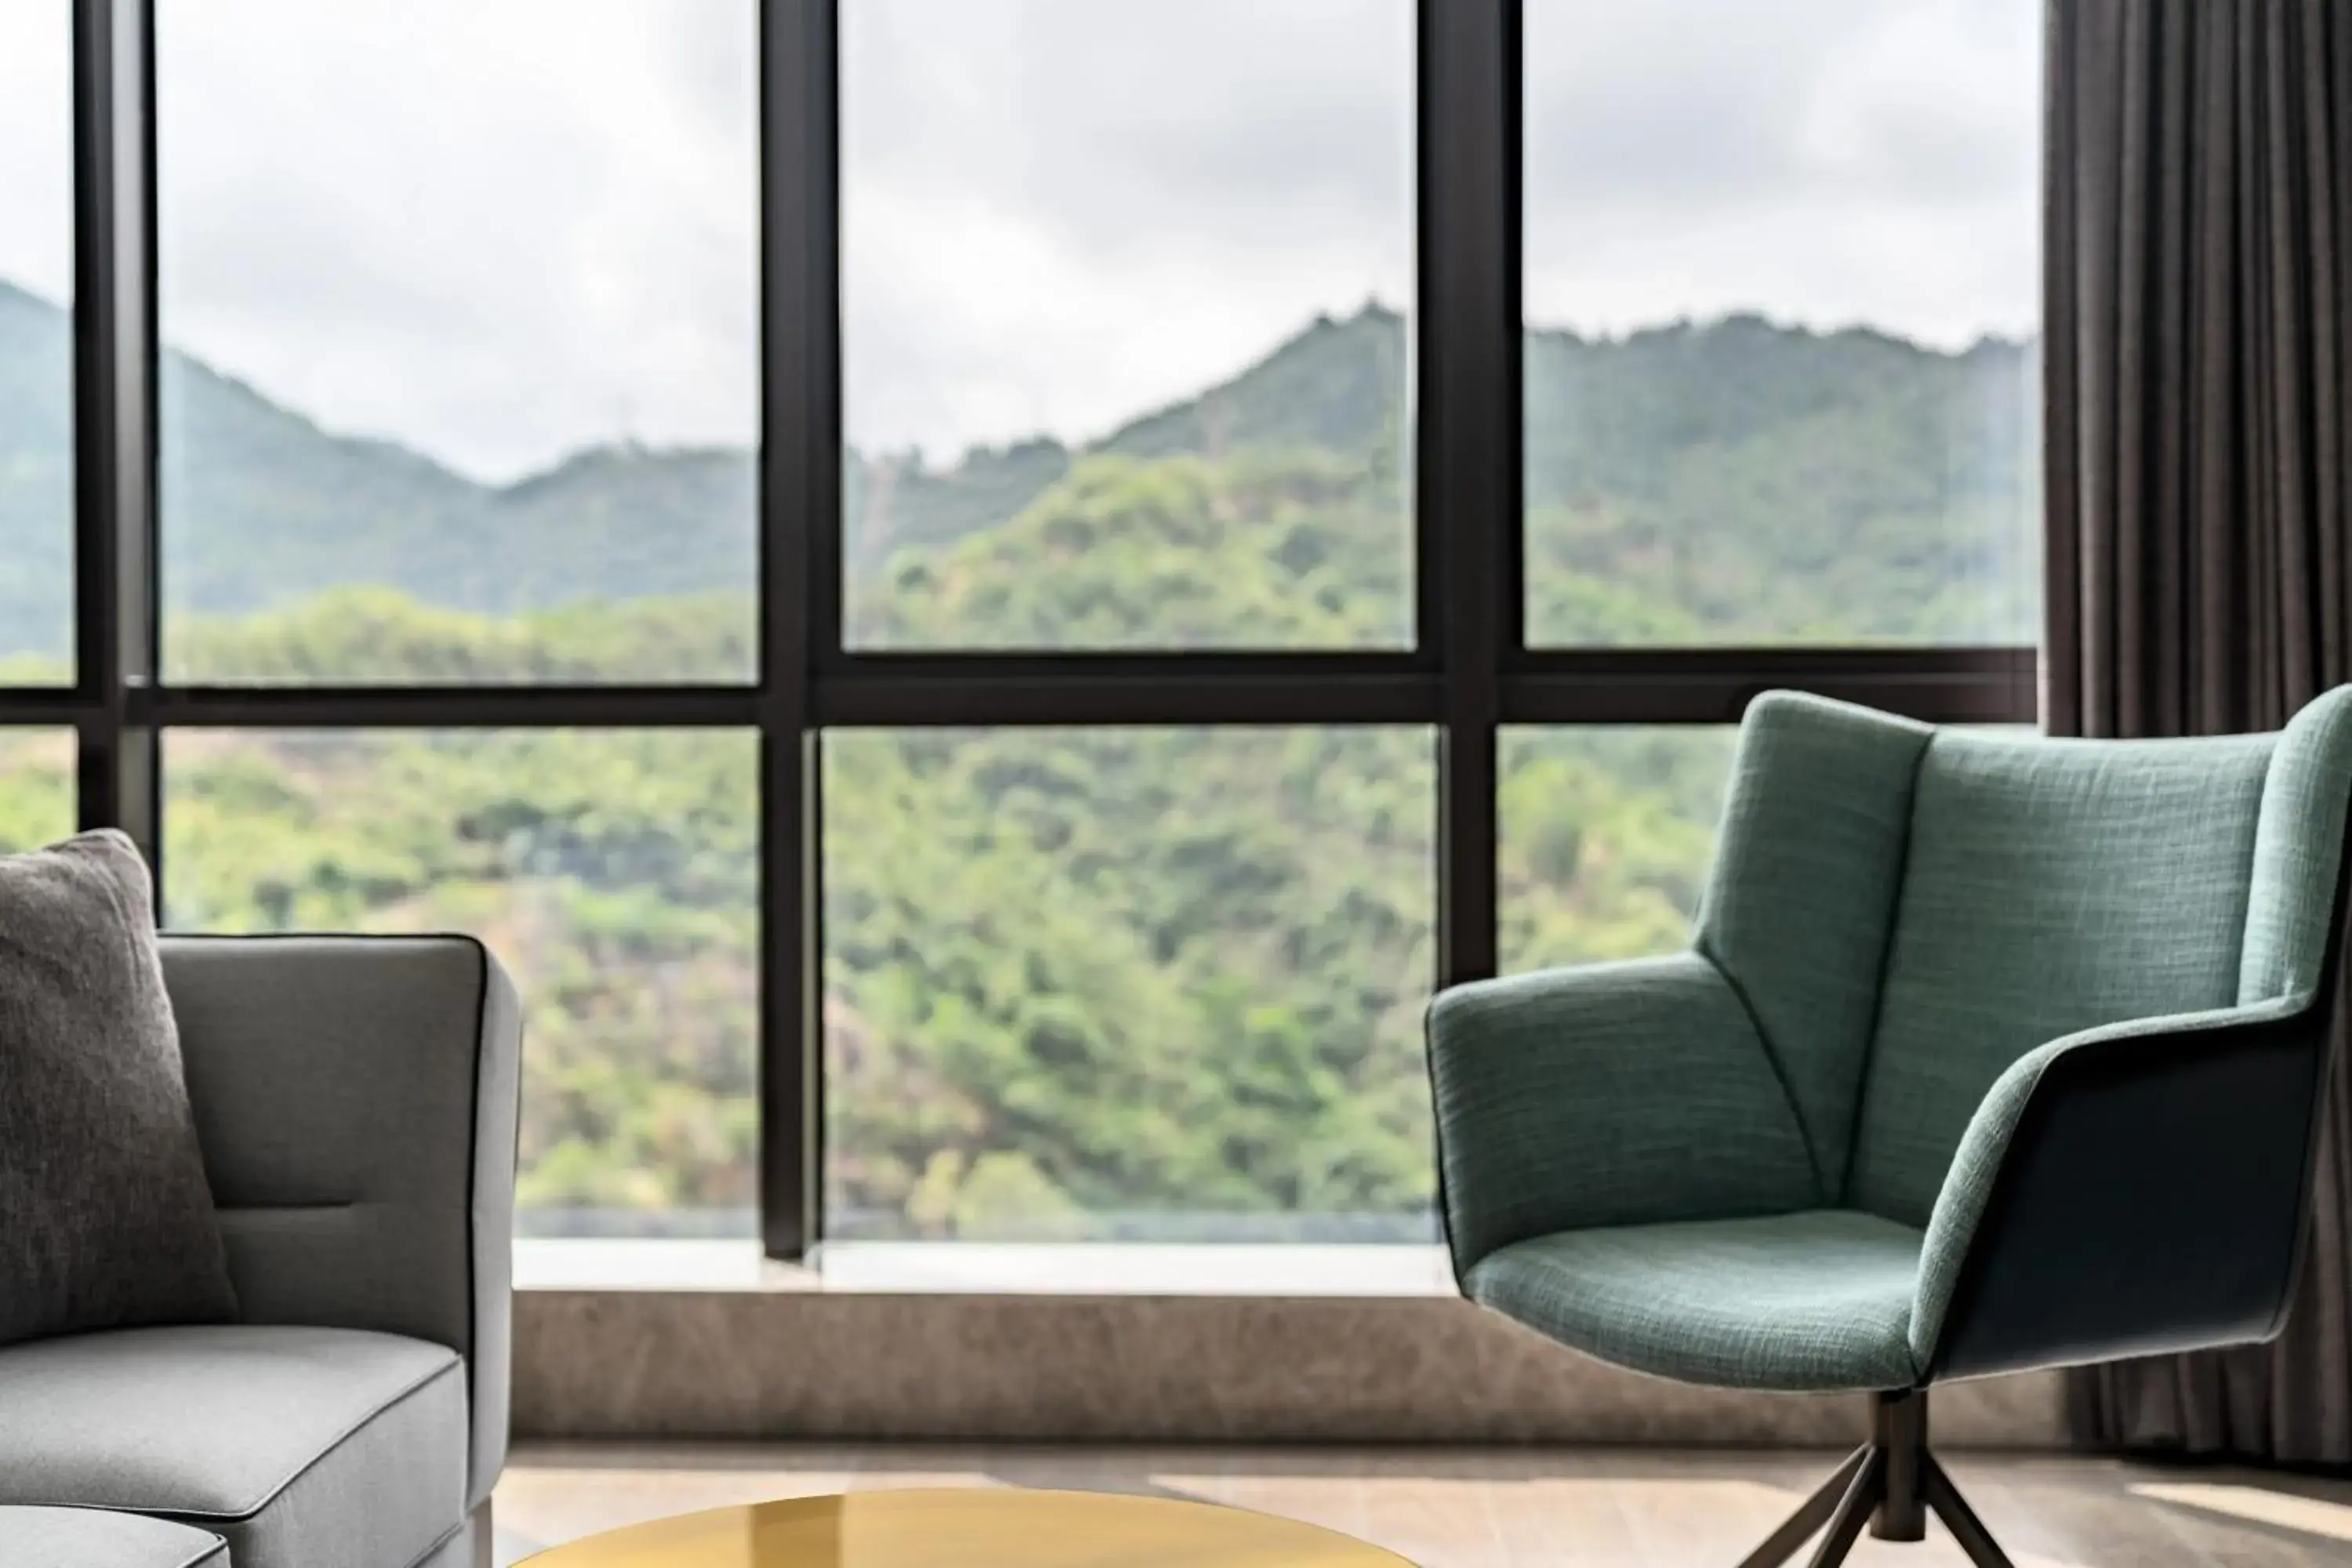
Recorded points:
(1469, 673)
(800, 580)
(1467, 511)
(114, 417)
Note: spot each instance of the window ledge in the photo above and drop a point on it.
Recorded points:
(966, 1267)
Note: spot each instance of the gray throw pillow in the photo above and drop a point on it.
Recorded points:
(106, 1219)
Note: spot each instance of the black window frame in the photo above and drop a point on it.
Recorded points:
(1469, 673)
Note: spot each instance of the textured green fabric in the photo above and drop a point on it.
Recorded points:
(2050, 885)
(2297, 851)
(2298, 848)
(1802, 894)
(1618, 1094)
(1968, 1186)
(1818, 1300)
(1624, 1148)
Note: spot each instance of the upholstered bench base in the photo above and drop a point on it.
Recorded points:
(92, 1538)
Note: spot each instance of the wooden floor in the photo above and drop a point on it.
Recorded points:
(1494, 1508)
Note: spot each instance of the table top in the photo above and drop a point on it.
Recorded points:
(973, 1528)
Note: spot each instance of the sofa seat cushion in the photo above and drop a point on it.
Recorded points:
(300, 1447)
(1799, 1302)
(89, 1538)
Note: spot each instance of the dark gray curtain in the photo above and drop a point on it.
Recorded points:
(2199, 571)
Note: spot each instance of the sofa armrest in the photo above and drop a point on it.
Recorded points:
(356, 1098)
(2133, 1189)
(1617, 1094)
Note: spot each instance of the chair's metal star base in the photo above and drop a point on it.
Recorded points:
(1889, 1484)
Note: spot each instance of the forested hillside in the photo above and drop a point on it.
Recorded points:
(1734, 482)
(1080, 983)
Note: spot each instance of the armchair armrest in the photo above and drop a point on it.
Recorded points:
(356, 1100)
(2134, 1189)
(1617, 1094)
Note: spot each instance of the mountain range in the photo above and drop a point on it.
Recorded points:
(1680, 457)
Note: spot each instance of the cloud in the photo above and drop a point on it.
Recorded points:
(501, 231)
(1842, 162)
(1058, 214)
(36, 146)
(497, 232)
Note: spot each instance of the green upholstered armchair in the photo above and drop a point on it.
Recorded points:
(1991, 1052)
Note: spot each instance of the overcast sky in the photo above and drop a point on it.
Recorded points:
(36, 145)
(499, 230)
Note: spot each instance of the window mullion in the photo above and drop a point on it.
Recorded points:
(1470, 432)
(114, 328)
(800, 522)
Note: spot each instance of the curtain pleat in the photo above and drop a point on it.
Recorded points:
(2199, 577)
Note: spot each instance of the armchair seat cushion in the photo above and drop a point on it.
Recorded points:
(298, 1446)
(87, 1538)
(1814, 1301)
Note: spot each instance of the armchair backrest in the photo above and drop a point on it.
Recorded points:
(1808, 867)
(2050, 885)
(1907, 910)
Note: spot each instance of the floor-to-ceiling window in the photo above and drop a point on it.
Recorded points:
(36, 418)
(982, 596)
(459, 322)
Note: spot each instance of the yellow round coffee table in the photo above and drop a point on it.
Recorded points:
(976, 1528)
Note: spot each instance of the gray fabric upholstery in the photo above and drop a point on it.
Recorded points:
(469, 1546)
(356, 1100)
(89, 1538)
(1800, 901)
(301, 1447)
(105, 1216)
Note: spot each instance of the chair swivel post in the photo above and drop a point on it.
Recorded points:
(1889, 1484)
(1898, 1429)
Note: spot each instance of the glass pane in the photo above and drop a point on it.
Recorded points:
(1783, 286)
(37, 773)
(461, 302)
(36, 280)
(1125, 366)
(614, 872)
(1605, 838)
(1154, 984)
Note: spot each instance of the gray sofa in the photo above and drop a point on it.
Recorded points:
(356, 1100)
